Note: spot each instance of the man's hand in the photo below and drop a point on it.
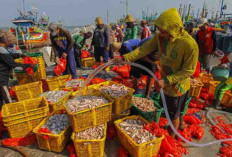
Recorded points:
(117, 60)
(64, 55)
(108, 48)
(161, 83)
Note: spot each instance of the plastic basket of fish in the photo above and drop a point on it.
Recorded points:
(146, 108)
(88, 109)
(28, 91)
(88, 62)
(90, 142)
(57, 82)
(196, 87)
(54, 132)
(24, 78)
(121, 95)
(74, 84)
(138, 141)
(57, 98)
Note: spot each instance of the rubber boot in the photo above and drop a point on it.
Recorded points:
(181, 122)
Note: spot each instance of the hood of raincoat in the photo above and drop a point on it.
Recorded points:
(170, 21)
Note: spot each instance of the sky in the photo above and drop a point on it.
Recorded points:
(81, 12)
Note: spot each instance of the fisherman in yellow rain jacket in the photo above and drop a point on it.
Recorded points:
(178, 54)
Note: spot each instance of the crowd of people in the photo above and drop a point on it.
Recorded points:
(177, 49)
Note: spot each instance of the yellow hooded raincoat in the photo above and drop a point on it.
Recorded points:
(178, 56)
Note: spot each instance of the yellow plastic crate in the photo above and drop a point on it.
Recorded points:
(41, 70)
(22, 128)
(195, 91)
(57, 82)
(59, 105)
(90, 148)
(28, 91)
(115, 117)
(206, 79)
(88, 62)
(55, 143)
(23, 109)
(120, 104)
(148, 149)
(213, 86)
(91, 117)
(24, 78)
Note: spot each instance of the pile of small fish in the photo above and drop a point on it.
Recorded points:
(54, 96)
(94, 133)
(134, 128)
(144, 104)
(106, 75)
(194, 82)
(57, 123)
(85, 102)
(74, 83)
(115, 90)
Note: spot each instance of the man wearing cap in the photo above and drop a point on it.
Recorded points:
(79, 44)
(101, 41)
(145, 33)
(206, 40)
(178, 53)
(63, 46)
(131, 29)
(7, 63)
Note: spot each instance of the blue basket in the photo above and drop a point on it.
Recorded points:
(220, 74)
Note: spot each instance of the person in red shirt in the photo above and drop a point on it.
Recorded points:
(145, 33)
(206, 40)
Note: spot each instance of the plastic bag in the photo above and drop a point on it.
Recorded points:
(29, 60)
(85, 54)
(192, 119)
(111, 132)
(122, 152)
(71, 150)
(123, 71)
(61, 66)
(28, 140)
(198, 70)
(97, 80)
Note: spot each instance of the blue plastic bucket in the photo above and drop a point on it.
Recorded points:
(220, 74)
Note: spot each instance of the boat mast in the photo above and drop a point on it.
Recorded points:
(222, 7)
(23, 6)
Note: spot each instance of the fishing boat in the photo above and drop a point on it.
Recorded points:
(29, 31)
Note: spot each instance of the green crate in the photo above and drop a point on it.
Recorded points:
(149, 116)
(34, 54)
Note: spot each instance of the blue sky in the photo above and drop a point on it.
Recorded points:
(80, 12)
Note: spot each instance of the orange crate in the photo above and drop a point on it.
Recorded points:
(148, 149)
(213, 86)
(227, 99)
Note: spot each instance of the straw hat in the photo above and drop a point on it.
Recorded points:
(7, 37)
(116, 46)
(99, 20)
(53, 28)
(129, 18)
(202, 22)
